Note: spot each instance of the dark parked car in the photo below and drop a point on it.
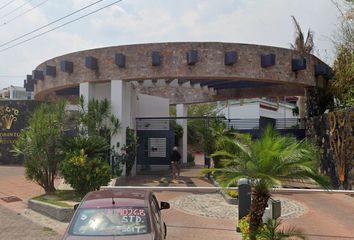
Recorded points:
(118, 214)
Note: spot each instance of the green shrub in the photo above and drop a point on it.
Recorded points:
(130, 148)
(85, 174)
(270, 230)
(245, 229)
(94, 146)
(190, 157)
(232, 193)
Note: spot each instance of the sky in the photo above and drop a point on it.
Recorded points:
(264, 22)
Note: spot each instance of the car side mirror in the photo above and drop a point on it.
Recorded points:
(164, 205)
(76, 206)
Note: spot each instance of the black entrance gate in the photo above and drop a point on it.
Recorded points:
(156, 140)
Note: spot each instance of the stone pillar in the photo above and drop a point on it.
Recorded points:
(181, 111)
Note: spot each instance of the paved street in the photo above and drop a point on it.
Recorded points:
(322, 216)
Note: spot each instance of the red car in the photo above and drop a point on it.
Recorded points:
(118, 214)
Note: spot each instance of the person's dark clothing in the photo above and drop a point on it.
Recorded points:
(175, 156)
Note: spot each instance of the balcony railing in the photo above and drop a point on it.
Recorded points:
(255, 123)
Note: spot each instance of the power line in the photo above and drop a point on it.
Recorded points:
(51, 23)
(25, 12)
(62, 25)
(6, 4)
(15, 9)
(11, 76)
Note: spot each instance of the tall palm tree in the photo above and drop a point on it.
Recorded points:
(303, 46)
(266, 162)
(300, 44)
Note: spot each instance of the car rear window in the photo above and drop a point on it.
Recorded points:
(110, 222)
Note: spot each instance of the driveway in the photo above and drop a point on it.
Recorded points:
(328, 216)
(322, 216)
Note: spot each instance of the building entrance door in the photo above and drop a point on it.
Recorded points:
(155, 143)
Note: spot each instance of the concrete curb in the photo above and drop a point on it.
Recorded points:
(228, 199)
(62, 214)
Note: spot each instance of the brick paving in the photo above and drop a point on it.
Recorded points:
(15, 226)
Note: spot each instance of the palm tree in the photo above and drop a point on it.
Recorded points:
(300, 44)
(304, 47)
(265, 162)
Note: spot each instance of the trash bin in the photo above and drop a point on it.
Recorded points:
(276, 208)
(273, 210)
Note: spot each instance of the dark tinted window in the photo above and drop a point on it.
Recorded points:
(110, 221)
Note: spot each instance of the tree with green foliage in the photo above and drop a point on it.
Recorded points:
(266, 162)
(96, 119)
(39, 143)
(343, 84)
(130, 150)
(85, 166)
(201, 131)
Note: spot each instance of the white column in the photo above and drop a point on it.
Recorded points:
(117, 108)
(181, 111)
(87, 91)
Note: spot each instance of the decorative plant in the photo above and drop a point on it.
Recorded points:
(39, 143)
(190, 158)
(84, 173)
(271, 230)
(178, 131)
(96, 119)
(130, 149)
(265, 162)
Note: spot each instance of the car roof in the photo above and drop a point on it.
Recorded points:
(121, 197)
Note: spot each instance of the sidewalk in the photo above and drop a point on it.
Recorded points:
(13, 183)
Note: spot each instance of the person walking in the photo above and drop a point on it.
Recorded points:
(175, 163)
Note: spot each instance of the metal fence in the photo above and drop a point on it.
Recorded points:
(256, 123)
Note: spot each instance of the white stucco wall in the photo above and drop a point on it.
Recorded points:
(102, 91)
(98, 91)
(249, 110)
(151, 106)
(282, 112)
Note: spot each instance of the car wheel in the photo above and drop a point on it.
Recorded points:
(164, 225)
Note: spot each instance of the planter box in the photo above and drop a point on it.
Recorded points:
(228, 199)
(63, 214)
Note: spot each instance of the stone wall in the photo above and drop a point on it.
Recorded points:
(334, 134)
(209, 66)
(14, 115)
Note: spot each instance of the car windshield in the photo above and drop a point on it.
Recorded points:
(111, 222)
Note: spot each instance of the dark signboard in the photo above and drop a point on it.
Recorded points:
(14, 115)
